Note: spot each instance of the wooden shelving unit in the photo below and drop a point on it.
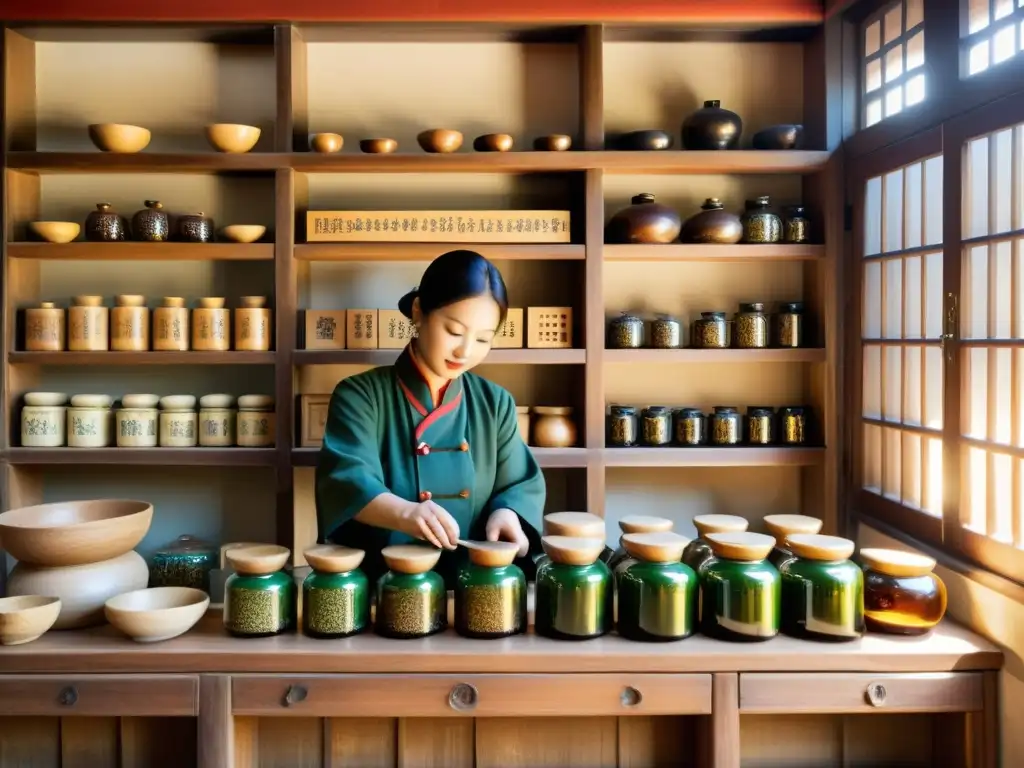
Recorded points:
(85, 251)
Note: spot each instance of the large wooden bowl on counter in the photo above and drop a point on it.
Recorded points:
(74, 532)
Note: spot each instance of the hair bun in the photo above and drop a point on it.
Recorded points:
(405, 303)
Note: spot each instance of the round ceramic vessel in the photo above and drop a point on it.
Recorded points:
(574, 602)
(490, 602)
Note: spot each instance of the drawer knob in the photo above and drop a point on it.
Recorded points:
(630, 696)
(876, 694)
(68, 696)
(294, 695)
(463, 697)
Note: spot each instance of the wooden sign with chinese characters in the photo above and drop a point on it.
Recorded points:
(549, 327)
(314, 420)
(437, 226)
(324, 329)
(394, 329)
(510, 333)
(362, 328)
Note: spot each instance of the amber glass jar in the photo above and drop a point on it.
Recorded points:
(901, 594)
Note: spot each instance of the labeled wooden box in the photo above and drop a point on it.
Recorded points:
(549, 327)
(324, 329)
(437, 226)
(313, 420)
(361, 328)
(394, 329)
(510, 332)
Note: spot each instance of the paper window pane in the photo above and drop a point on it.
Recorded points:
(871, 407)
(893, 223)
(933, 200)
(913, 403)
(1004, 44)
(872, 38)
(915, 51)
(873, 75)
(892, 384)
(893, 23)
(933, 387)
(914, 296)
(871, 323)
(893, 63)
(915, 13)
(977, 58)
(873, 216)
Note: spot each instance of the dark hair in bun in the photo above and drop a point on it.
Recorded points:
(452, 277)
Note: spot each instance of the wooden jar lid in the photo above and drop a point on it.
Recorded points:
(815, 546)
(87, 301)
(330, 558)
(781, 526)
(574, 524)
(129, 300)
(173, 301)
(257, 559)
(644, 524)
(572, 550)
(896, 562)
(211, 302)
(410, 558)
(552, 410)
(655, 546)
(741, 545)
(706, 524)
(253, 302)
(491, 554)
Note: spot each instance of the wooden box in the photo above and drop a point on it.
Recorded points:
(510, 334)
(313, 420)
(394, 330)
(437, 226)
(362, 328)
(324, 329)
(549, 327)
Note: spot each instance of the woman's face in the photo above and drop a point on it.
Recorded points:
(454, 339)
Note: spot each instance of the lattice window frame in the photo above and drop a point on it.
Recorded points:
(983, 37)
(891, 66)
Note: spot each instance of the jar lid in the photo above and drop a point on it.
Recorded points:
(212, 302)
(712, 204)
(552, 410)
(522, 409)
(642, 198)
(47, 305)
(178, 402)
(655, 546)
(140, 401)
(256, 402)
(156, 205)
(187, 543)
(706, 524)
(257, 559)
(45, 399)
(173, 301)
(87, 301)
(781, 526)
(574, 524)
(760, 410)
(627, 317)
(571, 550)
(690, 413)
(622, 410)
(713, 315)
(216, 401)
(130, 300)
(253, 302)
(331, 558)
(815, 546)
(793, 410)
(752, 306)
(644, 524)
(796, 210)
(896, 562)
(741, 545)
(725, 409)
(791, 307)
(491, 554)
(656, 410)
(91, 401)
(410, 558)
(666, 319)
(758, 202)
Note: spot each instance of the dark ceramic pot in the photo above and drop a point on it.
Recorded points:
(779, 137)
(105, 225)
(713, 225)
(151, 224)
(645, 221)
(644, 140)
(712, 127)
(195, 228)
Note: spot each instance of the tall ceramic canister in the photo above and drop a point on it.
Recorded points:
(90, 421)
(178, 422)
(170, 325)
(44, 419)
(44, 328)
(88, 323)
(129, 324)
(253, 326)
(211, 326)
(256, 421)
(136, 421)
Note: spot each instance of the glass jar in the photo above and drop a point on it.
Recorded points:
(622, 426)
(259, 597)
(760, 225)
(760, 425)
(636, 524)
(793, 425)
(411, 598)
(698, 551)
(336, 593)
(750, 326)
(712, 331)
(666, 333)
(187, 562)
(740, 589)
(690, 427)
(902, 596)
(574, 598)
(626, 332)
(822, 589)
(656, 426)
(789, 325)
(726, 426)
(781, 527)
(490, 592)
(797, 228)
(657, 594)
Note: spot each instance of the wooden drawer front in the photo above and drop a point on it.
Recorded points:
(470, 695)
(99, 695)
(861, 692)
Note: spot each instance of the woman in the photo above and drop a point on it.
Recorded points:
(425, 450)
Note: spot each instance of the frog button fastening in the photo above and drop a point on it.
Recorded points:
(422, 449)
(464, 493)
(426, 495)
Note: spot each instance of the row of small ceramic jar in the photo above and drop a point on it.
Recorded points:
(92, 422)
(130, 326)
(151, 224)
(660, 426)
(750, 328)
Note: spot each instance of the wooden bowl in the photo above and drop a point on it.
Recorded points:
(257, 559)
(232, 137)
(572, 550)
(378, 146)
(55, 231)
(582, 525)
(160, 613)
(74, 532)
(656, 546)
(410, 558)
(741, 545)
(706, 524)
(24, 619)
(441, 140)
(491, 554)
(815, 546)
(326, 143)
(493, 142)
(118, 137)
(243, 233)
(555, 142)
(644, 524)
(781, 526)
(330, 558)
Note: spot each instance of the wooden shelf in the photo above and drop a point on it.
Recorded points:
(803, 355)
(388, 356)
(692, 252)
(549, 458)
(170, 457)
(738, 456)
(86, 251)
(428, 251)
(145, 162)
(141, 358)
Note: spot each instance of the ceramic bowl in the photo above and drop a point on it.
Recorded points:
(160, 613)
(378, 146)
(442, 140)
(24, 619)
(117, 137)
(326, 143)
(55, 231)
(493, 142)
(232, 137)
(74, 532)
(555, 142)
(243, 233)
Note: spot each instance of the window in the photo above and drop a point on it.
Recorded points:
(994, 33)
(892, 75)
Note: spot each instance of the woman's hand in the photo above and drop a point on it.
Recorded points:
(431, 522)
(504, 525)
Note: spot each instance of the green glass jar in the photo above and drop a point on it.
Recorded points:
(582, 525)
(635, 524)
(822, 589)
(901, 594)
(411, 598)
(740, 589)
(336, 594)
(490, 593)
(781, 526)
(698, 551)
(657, 594)
(259, 597)
(574, 590)
(185, 563)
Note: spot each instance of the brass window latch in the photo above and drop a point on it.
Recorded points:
(950, 321)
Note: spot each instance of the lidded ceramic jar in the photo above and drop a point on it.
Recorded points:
(260, 596)
(256, 421)
(129, 324)
(211, 326)
(690, 427)
(88, 322)
(579, 525)
(490, 592)
(253, 326)
(666, 333)
(151, 224)
(170, 325)
(553, 427)
(44, 328)
(636, 524)
(90, 421)
(698, 551)
(797, 227)
(656, 426)
(411, 598)
(822, 589)
(657, 594)
(622, 428)
(712, 127)
(217, 420)
(195, 228)
(105, 225)
(760, 425)
(902, 596)
(643, 221)
(760, 225)
(178, 421)
(712, 331)
(740, 589)
(626, 332)
(750, 326)
(336, 593)
(523, 420)
(574, 599)
(186, 562)
(713, 225)
(789, 325)
(44, 420)
(725, 426)
(781, 526)
(137, 423)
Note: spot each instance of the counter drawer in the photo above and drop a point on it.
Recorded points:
(861, 692)
(506, 695)
(100, 695)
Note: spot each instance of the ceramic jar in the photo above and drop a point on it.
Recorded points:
(656, 426)
(622, 428)
(740, 589)
(151, 224)
(44, 328)
(698, 551)
(726, 426)
(574, 599)
(636, 524)
(195, 228)
(211, 326)
(760, 225)
(553, 427)
(88, 322)
(411, 598)
(796, 227)
(129, 324)
(217, 421)
(626, 332)
(657, 594)
(713, 225)
(90, 421)
(44, 420)
(187, 562)
(137, 422)
(712, 331)
(260, 596)
(253, 326)
(712, 127)
(750, 327)
(789, 325)
(336, 593)
(523, 420)
(690, 427)
(793, 426)
(256, 421)
(490, 592)
(902, 596)
(781, 526)
(822, 589)
(644, 221)
(105, 225)
(170, 325)
(760, 425)
(178, 422)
